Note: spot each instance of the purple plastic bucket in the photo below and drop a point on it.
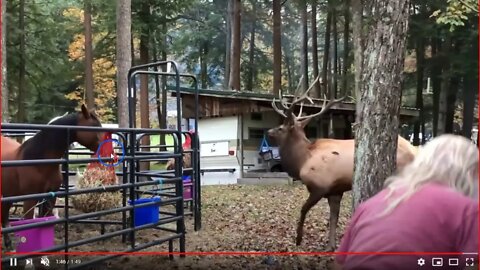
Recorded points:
(187, 190)
(30, 240)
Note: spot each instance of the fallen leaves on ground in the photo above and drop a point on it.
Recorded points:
(238, 218)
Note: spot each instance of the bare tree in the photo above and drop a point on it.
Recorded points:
(304, 15)
(124, 57)
(334, 53)
(5, 114)
(376, 137)
(277, 47)
(326, 48)
(251, 50)
(316, 89)
(21, 117)
(87, 22)
(444, 86)
(234, 81)
(346, 48)
(357, 17)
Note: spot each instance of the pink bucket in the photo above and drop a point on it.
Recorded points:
(34, 239)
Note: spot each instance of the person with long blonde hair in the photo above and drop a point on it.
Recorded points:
(430, 206)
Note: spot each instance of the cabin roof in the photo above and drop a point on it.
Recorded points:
(217, 103)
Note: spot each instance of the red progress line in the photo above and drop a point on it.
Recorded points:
(233, 253)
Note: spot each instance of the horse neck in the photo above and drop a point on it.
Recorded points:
(46, 144)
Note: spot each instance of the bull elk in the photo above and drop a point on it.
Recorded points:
(324, 166)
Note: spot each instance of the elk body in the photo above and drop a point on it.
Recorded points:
(325, 166)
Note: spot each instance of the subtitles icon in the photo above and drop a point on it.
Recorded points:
(469, 261)
(438, 262)
(421, 262)
(453, 262)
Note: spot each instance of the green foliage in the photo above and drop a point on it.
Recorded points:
(456, 13)
(194, 32)
(48, 71)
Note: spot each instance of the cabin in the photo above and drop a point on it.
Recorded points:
(233, 124)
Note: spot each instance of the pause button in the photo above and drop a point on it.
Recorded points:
(13, 261)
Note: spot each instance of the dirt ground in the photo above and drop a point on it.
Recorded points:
(234, 218)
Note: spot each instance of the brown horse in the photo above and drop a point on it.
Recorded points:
(46, 144)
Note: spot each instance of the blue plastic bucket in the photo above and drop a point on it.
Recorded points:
(186, 178)
(146, 214)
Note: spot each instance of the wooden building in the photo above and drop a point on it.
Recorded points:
(229, 112)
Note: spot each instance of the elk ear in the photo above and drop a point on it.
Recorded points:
(85, 112)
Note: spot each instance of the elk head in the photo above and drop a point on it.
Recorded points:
(293, 125)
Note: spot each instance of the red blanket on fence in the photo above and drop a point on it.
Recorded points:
(105, 151)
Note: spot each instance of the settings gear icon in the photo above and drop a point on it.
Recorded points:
(421, 261)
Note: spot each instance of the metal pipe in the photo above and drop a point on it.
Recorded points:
(88, 128)
(137, 248)
(30, 162)
(99, 238)
(61, 194)
(87, 215)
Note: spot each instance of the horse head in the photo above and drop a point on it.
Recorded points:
(89, 139)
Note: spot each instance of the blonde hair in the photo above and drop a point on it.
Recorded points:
(449, 160)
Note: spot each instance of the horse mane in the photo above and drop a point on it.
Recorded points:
(50, 140)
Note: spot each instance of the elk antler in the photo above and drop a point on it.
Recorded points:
(288, 109)
(325, 107)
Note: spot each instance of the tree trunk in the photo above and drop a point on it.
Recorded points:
(277, 48)
(357, 18)
(316, 90)
(346, 49)
(377, 133)
(251, 51)
(451, 104)
(132, 50)
(124, 58)
(21, 117)
(235, 47)
(420, 55)
(304, 49)
(158, 87)
(436, 83)
(144, 59)
(228, 39)
(289, 73)
(163, 121)
(87, 21)
(5, 97)
(326, 50)
(203, 64)
(444, 88)
(335, 54)
(470, 89)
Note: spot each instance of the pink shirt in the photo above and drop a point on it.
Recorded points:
(434, 219)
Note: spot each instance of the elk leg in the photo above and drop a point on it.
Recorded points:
(5, 223)
(334, 203)
(313, 199)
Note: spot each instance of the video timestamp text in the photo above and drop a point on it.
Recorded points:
(70, 261)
